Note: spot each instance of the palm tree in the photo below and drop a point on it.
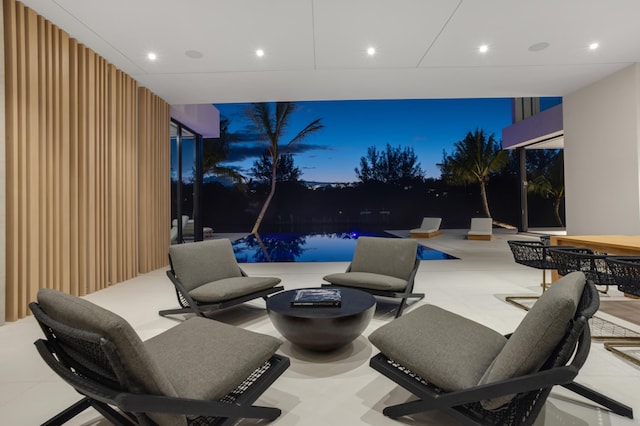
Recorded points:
(216, 151)
(549, 183)
(474, 159)
(272, 126)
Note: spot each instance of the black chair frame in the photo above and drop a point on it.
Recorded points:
(626, 272)
(404, 295)
(534, 254)
(594, 265)
(531, 390)
(188, 305)
(69, 351)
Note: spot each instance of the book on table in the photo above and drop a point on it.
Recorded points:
(330, 297)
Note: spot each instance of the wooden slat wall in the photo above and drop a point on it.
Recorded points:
(87, 155)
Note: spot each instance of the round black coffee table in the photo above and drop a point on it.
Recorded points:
(322, 328)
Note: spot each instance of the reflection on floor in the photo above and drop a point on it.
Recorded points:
(348, 391)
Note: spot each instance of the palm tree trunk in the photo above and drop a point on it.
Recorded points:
(556, 211)
(485, 203)
(265, 206)
(263, 248)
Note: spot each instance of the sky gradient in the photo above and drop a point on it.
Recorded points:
(350, 127)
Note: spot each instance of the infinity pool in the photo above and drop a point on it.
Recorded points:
(312, 247)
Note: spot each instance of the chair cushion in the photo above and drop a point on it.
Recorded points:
(230, 288)
(481, 226)
(394, 257)
(429, 224)
(367, 280)
(206, 359)
(202, 262)
(539, 333)
(446, 349)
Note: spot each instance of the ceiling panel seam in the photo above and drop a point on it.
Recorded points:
(439, 33)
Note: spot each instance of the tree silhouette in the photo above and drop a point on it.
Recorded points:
(275, 248)
(474, 159)
(286, 171)
(547, 179)
(272, 125)
(394, 165)
(216, 151)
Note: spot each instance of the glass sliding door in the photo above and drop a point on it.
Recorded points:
(186, 183)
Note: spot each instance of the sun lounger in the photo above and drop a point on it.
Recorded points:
(481, 229)
(430, 228)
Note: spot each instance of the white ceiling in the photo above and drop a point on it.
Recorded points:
(316, 49)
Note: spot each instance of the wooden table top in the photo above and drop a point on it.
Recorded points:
(615, 242)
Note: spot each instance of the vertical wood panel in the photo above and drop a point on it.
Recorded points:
(143, 178)
(111, 190)
(76, 218)
(33, 205)
(154, 173)
(133, 155)
(85, 265)
(93, 172)
(63, 141)
(45, 151)
(87, 169)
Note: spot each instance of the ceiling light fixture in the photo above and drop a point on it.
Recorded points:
(483, 49)
(371, 51)
(593, 46)
(260, 53)
(152, 56)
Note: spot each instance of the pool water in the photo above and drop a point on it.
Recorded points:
(311, 247)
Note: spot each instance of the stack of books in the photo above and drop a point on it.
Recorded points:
(317, 297)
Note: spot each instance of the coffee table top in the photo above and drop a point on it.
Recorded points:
(353, 302)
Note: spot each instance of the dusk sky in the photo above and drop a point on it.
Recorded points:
(350, 127)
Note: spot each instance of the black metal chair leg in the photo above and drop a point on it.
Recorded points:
(404, 409)
(615, 406)
(112, 415)
(401, 307)
(69, 413)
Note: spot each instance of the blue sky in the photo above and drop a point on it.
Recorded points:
(350, 127)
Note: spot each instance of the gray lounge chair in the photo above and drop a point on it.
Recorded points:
(198, 372)
(207, 277)
(382, 267)
(479, 376)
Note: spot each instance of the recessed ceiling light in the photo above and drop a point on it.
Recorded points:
(593, 46)
(538, 46)
(260, 53)
(152, 56)
(483, 49)
(193, 54)
(371, 51)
